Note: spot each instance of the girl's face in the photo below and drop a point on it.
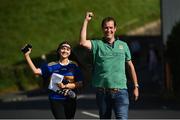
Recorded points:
(65, 51)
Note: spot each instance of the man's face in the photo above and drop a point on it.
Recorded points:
(109, 30)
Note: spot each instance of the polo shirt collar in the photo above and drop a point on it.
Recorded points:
(106, 42)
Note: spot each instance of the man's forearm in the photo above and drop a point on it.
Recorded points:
(133, 73)
(83, 35)
(134, 77)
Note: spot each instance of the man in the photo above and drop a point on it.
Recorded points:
(109, 78)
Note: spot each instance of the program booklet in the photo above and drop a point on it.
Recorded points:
(55, 78)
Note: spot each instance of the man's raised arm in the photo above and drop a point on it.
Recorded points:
(83, 35)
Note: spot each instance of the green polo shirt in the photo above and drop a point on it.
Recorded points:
(109, 64)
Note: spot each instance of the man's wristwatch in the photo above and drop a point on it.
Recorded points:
(136, 86)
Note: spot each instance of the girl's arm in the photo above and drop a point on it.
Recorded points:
(36, 71)
(70, 85)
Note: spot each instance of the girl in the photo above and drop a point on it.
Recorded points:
(63, 106)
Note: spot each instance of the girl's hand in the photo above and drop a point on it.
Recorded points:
(28, 52)
(61, 85)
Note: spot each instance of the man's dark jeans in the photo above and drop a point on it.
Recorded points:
(118, 101)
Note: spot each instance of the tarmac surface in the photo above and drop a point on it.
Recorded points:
(35, 105)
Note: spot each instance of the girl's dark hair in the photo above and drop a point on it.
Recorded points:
(107, 19)
(60, 45)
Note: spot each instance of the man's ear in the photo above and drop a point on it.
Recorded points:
(115, 29)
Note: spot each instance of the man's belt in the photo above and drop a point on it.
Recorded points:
(111, 90)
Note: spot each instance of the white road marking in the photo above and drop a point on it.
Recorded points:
(91, 96)
(90, 114)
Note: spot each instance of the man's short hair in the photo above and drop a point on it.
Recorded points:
(107, 19)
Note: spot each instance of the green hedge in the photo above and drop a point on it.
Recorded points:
(18, 78)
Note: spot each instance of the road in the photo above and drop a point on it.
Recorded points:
(35, 105)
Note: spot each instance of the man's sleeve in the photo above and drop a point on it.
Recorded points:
(127, 52)
(94, 45)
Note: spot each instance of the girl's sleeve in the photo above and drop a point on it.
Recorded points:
(45, 71)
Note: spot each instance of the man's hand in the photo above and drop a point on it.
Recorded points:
(136, 93)
(89, 16)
